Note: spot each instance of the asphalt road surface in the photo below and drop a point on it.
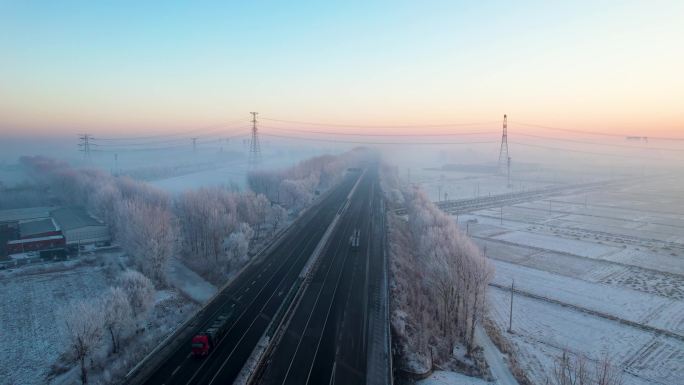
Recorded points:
(326, 337)
(251, 301)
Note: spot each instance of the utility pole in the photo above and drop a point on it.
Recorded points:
(503, 151)
(510, 314)
(194, 145)
(502, 215)
(441, 183)
(85, 141)
(116, 164)
(254, 147)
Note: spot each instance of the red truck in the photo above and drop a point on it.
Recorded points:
(204, 342)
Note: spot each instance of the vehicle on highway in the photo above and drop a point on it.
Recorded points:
(354, 240)
(204, 342)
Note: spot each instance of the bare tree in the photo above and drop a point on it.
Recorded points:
(83, 327)
(572, 369)
(117, 314)
(607, 373)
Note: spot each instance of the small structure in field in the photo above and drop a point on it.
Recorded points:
(79, 228)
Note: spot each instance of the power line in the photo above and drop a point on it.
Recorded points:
(199, 143)
(583, 152)
(377, 135)
(374, 142)
(600, 144)
(377, 125)
(206, 129)
(592, 132)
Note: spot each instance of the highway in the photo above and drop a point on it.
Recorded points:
(325, 336)
(250, 301)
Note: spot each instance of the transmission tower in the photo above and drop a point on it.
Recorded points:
(84, 145)
(503, 152)
(254, 147)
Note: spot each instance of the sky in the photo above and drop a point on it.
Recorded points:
(124, 68)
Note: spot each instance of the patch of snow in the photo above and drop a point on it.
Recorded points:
(617, 301)
(189, 282)
(29, 323)
(451, 378)
(547, 242)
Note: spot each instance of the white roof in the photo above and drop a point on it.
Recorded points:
(20, 241)
(24, 214)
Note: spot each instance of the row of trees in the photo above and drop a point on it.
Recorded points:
(575, 369)
(439, 276)
(294, 187)
(139, 215)
(90, 323)
(216, 226)
(211, 227)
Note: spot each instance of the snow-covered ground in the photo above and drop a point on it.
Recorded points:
(231, 175)
(30, 325)
(188, 282)
(29, 322)
(611, 255)
(451, 378)
(543, 329)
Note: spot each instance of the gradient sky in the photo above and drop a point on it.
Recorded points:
(124, 67)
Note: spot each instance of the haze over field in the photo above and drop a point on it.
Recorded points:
(440, 192)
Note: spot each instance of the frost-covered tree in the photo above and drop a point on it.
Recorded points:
(83, 327)
(148, 234)
(237, 245)
(439, 276)
(139, 291)
(117, 315)
(276, 217)
(294, 187)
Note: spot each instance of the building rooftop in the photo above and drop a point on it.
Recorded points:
(25, 214)
(20, 241)
(69, 218)
(40, 226)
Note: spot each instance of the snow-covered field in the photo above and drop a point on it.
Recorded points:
(29, 320)
(599, 273)
(30, 323)
(225, 176)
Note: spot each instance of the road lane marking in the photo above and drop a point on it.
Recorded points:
(175, 370)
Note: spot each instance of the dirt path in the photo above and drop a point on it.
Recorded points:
(497, 364)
